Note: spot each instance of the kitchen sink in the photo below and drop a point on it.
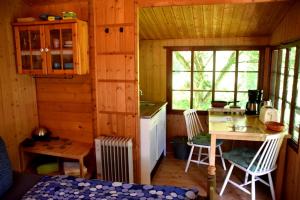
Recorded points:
(146, 103)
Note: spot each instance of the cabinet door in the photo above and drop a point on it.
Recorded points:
(31, 57)
(153, 146)
(161, 132)
(61, 48)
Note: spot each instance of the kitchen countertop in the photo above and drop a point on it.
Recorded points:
(149, 108)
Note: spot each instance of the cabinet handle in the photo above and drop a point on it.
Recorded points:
(46, 49)
(106, 30)
(121, 29)
(41, 50)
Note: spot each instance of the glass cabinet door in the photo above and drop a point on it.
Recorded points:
(61, 48)
(30, 52)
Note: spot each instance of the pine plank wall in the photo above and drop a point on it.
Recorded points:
(74, 108)
(18, 111)
(289, 30)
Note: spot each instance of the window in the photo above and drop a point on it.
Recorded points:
(196, 77)
(285, 86)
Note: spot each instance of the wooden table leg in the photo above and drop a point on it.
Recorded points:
(211, 187)
(81, 167)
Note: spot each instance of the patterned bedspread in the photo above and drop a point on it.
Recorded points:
(72, 188)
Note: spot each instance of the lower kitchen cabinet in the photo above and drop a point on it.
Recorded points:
(153, 142)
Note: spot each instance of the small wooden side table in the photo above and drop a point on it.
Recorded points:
(63, 148)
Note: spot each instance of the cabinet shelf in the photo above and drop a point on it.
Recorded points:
(63, 52)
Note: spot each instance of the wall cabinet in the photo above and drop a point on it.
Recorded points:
(52, 47)
(153, 143)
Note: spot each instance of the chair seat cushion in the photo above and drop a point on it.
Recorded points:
(241, 156)
(204, 139)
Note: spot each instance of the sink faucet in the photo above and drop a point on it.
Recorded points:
(141, 93)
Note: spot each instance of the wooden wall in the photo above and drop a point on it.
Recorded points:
(18, 111)
(65, 105)
(289, 30)
(116, 80)
(152, 71)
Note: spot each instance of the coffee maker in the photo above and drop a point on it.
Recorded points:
(254, 102)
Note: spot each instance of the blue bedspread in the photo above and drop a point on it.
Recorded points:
(71, 188)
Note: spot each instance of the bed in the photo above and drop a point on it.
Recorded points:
(16, 186)
(71, 188)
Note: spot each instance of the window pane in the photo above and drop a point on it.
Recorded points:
(242, 97)
(181, 60)
(203, 80)
(279, 107)
(203, 60)
(181, 81)
(225, 60)
(292, 57)
(225, 81)
(224, 96)
(247, 81)
(287, 112)
(202, 100)
(180, 100)
(289, 88)
(283, 60)
(296, 125)
(273, 73)
(248, 60)
(281, 85)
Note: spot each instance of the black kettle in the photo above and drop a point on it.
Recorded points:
(41, 134)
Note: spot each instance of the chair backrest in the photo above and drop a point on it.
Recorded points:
(266, 156)
(193, 124)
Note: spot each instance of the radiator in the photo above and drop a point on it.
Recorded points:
(114, 159)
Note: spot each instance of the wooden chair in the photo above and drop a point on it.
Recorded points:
(197, 138)
(255, 163)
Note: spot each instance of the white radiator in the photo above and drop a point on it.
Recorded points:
(114, 159)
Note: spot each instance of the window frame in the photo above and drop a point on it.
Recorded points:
(170, 49)
(293, 107)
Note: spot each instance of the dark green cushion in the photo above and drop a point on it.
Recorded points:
(204, 139)
(241, 156)
(6, 175)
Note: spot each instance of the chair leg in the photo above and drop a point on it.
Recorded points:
(271, 186)
(246, 178)
(226, 179)
(253, 187)
(222, 159)
(199, 155)
(189, 160)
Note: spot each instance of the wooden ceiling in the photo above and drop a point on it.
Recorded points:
(206, 21)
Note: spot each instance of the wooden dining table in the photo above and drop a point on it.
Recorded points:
(237, 126)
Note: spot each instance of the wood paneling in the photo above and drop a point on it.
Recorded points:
(289, 30)
(18, 111)
(116, 82)
(152, 60)
(153, 3)
(65, 107)
(218, 20)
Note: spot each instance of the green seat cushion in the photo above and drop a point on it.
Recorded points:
(204, 139)
(241, 156)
